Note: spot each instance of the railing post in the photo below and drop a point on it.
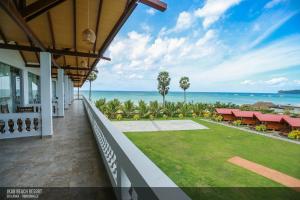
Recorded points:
(46, 93)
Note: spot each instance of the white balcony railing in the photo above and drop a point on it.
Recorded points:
(16, 125)
(132, 174)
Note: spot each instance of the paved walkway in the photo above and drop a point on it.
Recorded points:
(69, 158)
(255, 132)
(269, 173)
(157, 125)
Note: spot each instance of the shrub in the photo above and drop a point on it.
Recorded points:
(180, 116)
(261, 127)
(294, 134)
(165, 116)
(151, 117)
(218, 118)
(194, 115)
(136, 117)
(206, 114)
(119, 117)
(237, 123)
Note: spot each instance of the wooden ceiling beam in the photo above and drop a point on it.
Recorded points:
(53, 51)
(63, 67)
(156, 4)
(51, 30)
(10, 8)
(98, 23)
(39, 7)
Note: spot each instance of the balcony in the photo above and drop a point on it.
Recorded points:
(84, 151)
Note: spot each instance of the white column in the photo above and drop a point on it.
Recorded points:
(66, 92)
(60, 92)
(46, 93)
(70, 86)
(25, 92)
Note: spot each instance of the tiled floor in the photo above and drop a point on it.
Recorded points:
(67, 159)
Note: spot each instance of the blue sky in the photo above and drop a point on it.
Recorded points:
(232, 45)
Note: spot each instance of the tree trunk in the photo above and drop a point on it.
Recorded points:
(184, 96)
(164, 99)
(90, 94)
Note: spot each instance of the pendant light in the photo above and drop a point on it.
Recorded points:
(88, 35)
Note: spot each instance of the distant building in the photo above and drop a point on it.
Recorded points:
(226, 113)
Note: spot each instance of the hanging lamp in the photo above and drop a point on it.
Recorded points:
(88, 35)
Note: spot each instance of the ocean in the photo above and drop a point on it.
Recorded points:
(205, 97)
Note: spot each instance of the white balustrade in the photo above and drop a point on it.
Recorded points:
(16, 125)
(132, 174)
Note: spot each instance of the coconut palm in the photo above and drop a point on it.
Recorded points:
(113, 107)
(163, 84)
(128, 108)
(170, 109)
(154, 108)
(142, 108)
(91, 77)
(101, 105)
(184, 84)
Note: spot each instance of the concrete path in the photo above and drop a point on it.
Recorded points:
(269, 173)
(158, 125)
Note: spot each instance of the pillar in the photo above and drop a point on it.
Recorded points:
(70, 86)
(24, 90)
(46, 93)
(66, 91)
(60, 93)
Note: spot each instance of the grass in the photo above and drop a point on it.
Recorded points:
(197, 161)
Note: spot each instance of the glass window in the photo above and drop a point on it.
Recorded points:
(10, 86)
(34, 88)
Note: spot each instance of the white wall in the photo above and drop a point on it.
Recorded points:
(13, 58)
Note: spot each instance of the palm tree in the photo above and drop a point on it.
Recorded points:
(170, 109)
(184, 84)
(154, 108)
(163, 84)
(113, 107)
(128, 108)
(142, 109)
(91, 77)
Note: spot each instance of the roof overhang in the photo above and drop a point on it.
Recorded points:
(56, 26)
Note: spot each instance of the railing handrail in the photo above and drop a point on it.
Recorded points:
(141, 171)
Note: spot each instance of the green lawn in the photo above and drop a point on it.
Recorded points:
(199, 159)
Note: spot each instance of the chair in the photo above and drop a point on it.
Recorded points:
(4, 108)
(25, 109)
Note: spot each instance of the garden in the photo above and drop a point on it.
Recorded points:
(196, 160)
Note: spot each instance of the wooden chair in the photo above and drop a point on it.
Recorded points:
(25, 109)
(4, 108)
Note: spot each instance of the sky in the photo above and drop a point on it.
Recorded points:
(221, 45)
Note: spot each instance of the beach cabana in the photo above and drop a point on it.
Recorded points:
(246, 117)
(272, 121)
(290, 124)
(226, 113)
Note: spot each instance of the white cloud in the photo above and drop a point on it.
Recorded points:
(213, 10)
(273, 3)
(297, 82)
(275, 56)
(271, 29)
(248, 82)
(277, 81)
(184, 21)
(135, 76)
(150, 11)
